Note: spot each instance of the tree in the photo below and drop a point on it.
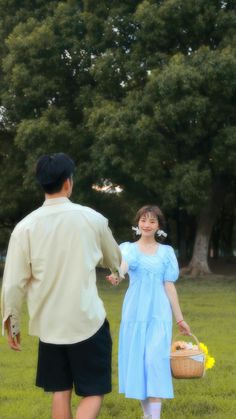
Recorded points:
(140, 93)
(16, 198)
(47, 63)
(174, 134)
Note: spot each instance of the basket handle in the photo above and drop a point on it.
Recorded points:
(191, 334)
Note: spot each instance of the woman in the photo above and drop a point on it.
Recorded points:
(146, 325)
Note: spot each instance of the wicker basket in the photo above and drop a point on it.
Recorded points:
(188, 363)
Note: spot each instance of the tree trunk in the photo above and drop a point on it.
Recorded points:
(185, 227)
(199, 262)
(181, 235)
(215, 242)
(227, 228)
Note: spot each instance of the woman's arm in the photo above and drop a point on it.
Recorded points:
(174, 301)
(115, 280)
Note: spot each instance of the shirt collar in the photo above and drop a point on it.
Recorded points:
(56, 201)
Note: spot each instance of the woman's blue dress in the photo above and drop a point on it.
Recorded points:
(146, 324)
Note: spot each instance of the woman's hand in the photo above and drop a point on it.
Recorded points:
(114, 280)
(184, 328)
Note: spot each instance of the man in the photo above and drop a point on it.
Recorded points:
(52, 259)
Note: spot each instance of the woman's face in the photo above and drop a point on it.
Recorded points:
(148, 224)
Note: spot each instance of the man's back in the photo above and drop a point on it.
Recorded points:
(51, 259)
(62, 244)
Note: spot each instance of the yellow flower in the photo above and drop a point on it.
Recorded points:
(209, 360)
(203, 348)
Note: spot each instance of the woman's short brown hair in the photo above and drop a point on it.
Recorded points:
(156, 211)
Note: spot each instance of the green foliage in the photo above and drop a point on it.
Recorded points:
(16, 200)
(204, 303)
(140, 93)
(224, 153)
(52, 129)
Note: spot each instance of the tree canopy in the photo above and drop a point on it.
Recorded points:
(141, 94)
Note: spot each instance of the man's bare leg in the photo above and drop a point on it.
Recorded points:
(89, 407)
(61, 405)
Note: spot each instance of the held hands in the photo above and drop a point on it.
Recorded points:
(113, 279)
(184, 328)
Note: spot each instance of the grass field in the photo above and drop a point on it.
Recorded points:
(209, 305)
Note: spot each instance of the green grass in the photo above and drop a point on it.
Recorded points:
(209, 307)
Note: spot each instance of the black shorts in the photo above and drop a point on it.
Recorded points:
(85, 365)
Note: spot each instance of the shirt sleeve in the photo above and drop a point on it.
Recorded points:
(110, 250)
(17, 273)
(172, 268)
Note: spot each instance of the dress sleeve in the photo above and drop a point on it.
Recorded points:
(172, 268)
(129, 254)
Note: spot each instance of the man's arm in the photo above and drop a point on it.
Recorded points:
(110, 250)
(114, 279)
(17, 273)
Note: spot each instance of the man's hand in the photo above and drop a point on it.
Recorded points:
(114, 280)
(13, 341)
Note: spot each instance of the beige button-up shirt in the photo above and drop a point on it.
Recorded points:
(51, 259)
